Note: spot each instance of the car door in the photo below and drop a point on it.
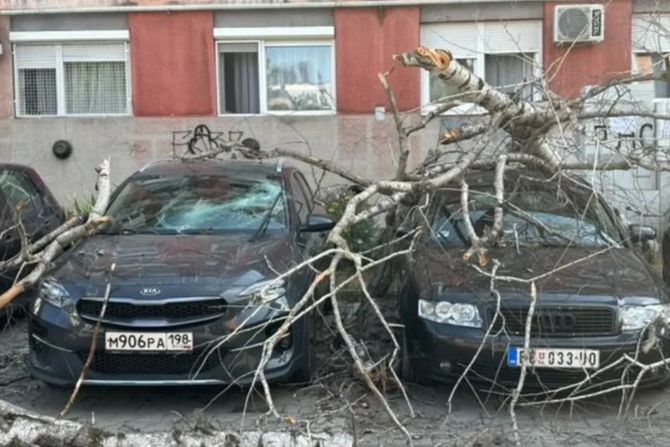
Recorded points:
(311, 242)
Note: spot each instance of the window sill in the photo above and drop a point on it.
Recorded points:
(100, 115)
(468, 109)
(280, 113)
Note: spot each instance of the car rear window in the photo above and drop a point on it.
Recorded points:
(197, 204)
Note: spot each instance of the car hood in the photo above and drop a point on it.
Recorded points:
(179, 265)
(617, 272)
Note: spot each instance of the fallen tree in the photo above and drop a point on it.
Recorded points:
(529, 131)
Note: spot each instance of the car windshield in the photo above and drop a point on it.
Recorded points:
(535, 212)
(197, 204)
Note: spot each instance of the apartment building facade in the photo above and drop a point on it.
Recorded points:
(116, 78)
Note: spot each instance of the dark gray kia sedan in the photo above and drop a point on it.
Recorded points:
(197, 248)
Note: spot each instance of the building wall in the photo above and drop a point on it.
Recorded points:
(366, 40)
(358, 142)
(174, 84)
(172, 60)
(571, 68)
(6, 78)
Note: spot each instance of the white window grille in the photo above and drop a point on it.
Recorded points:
(276, 76)
(72, 79)
(507, 55)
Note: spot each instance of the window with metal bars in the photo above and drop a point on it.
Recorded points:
(72, 79)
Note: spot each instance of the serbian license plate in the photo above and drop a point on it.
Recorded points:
(554, 358)
(149, 341)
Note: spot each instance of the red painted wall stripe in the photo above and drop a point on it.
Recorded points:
(173, 63)
(571, 69)
(366, 40)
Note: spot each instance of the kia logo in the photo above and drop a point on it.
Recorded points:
(150, 291)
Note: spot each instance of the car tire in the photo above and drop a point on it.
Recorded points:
(304, 373)
(58, 388)
(407, 368)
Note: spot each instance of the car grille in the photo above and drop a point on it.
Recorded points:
(182, 364)
(165, 314)
(558, 321)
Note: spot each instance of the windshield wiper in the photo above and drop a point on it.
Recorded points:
(266, 220)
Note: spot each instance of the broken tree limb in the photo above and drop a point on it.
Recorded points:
(92, 346)
(70, 236)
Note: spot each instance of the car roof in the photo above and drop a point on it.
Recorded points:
(209, 167)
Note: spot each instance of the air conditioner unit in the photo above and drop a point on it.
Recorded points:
(579, 23)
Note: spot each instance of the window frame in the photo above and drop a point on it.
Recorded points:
(61, 100)
(262, 75)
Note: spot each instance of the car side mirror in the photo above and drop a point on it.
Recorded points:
(641, 233)
(318, 223)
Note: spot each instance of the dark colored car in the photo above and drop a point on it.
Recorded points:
(197, 248)
(596, 298)
(22, 189)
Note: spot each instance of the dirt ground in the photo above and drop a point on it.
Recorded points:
(337, 404)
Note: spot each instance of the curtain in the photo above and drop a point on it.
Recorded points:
(240, 89)
(95, 87)
(508, 70)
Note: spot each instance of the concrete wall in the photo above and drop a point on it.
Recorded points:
(359, 142)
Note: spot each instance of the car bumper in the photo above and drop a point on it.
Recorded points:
(59, 347)
(445, 352)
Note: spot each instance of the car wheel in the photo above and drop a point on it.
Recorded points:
(305, 371)
(58, 388)
(407, 370)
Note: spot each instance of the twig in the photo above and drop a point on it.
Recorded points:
(92, 347)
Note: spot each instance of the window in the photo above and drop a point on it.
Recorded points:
(198, 204)
(505, 54)
(648, 63)
(260, 77)
(238, 70)
(508, 71)
(300, 199)
(19, 190)
(72, 79)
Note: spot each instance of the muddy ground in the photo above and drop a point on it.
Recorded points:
(339, 403)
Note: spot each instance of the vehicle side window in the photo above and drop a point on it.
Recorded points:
(18, 188)
(300, 200)
(307, 191)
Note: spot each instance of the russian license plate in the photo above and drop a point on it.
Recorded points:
(554, 358)
(149, 341)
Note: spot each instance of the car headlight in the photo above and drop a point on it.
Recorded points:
(52, 292)
(639, 317)
(266, 292)
(458, 314)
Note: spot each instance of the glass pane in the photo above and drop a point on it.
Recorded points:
(37, 91)
(506, 71)
(19, 189)
(95, 87)
(198, 204)
(238, 86)
(299, 78)
(440, 89)
(535, 213)
(652, 63)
